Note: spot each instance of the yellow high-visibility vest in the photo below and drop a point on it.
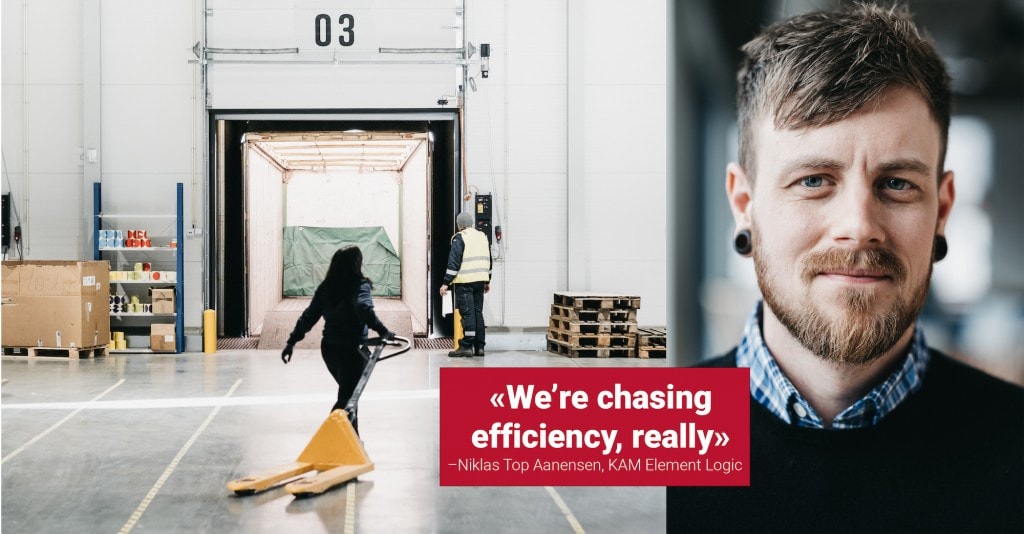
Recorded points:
(476, 258)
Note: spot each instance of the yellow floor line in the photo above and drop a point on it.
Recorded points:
(576, 526)
(350, 508)
(58, 423)
(170, 468)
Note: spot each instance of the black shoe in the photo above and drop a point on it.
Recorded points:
(462, 352)
(478, 351)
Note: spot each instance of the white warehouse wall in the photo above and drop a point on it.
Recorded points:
(149, 132)
(151, 128)
(312, 78)
(344, 200)
(625, 162)
(518, 124)
(413, 246)
(516, 148)
(518, 133)
(42, 126)
(265, 205)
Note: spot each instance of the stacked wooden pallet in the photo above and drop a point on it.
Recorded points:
(651, 343)
(593, 325)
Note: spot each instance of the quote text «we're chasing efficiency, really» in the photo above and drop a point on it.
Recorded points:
(528, 426)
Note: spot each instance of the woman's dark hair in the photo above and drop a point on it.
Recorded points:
(345, 272)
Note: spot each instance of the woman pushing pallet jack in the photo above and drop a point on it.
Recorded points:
(343, 300)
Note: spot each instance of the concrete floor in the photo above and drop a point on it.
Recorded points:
(163, 434)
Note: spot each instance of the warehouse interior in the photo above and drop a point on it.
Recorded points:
(601, 164)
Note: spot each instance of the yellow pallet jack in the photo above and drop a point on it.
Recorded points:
(335, 452)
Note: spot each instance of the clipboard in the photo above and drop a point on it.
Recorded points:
(448, 304)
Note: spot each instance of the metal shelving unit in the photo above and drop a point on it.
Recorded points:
(127, 255)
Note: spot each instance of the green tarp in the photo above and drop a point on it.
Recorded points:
(308, 251)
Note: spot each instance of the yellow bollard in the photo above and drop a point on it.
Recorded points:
(209, 331)
(458, 328)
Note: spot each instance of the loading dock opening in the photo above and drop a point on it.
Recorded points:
(238, 245)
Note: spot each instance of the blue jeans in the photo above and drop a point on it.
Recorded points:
(469, 298)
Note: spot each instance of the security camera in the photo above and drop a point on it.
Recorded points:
(485, 59)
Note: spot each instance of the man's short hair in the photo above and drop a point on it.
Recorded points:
(819, 68)
(464, 220)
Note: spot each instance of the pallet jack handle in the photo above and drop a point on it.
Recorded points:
(399, 341)
(379, 345)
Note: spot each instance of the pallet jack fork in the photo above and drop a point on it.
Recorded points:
(335, 451)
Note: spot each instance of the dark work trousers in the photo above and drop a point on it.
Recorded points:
(470, 300)
(346, 361)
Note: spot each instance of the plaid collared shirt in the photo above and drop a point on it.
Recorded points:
(770, 387)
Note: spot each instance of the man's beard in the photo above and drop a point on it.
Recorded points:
(860, 336)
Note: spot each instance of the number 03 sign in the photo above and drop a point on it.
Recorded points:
(323, 30)
(334, 26)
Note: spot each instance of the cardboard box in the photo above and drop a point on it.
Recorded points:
(162, 337)
(55, 304)
(163, 300)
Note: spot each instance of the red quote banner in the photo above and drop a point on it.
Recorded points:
(595, 427)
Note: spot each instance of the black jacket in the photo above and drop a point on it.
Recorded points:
(346, 320)
(950, 458)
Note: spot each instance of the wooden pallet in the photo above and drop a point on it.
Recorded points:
(71, 353)
(596, 301)
(651, 343)
(589, 352)
(581, 327)
(592, 316)
(650, 352)
(651, 337)
(575, 339)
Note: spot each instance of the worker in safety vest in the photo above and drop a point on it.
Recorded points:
(469, 271)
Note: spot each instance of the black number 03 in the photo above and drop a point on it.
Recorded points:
(322, 30)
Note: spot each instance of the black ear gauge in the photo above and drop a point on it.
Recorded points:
(741, 242)
(941, 248)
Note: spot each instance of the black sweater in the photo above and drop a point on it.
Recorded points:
(345, 320)
(949, 459)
